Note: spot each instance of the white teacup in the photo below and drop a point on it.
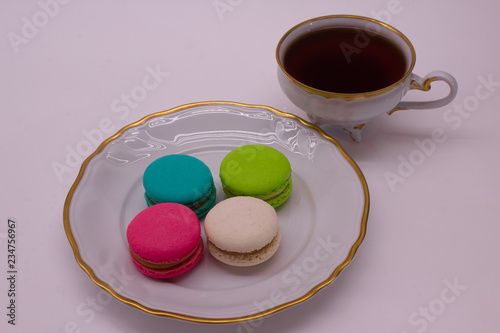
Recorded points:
(353, 111)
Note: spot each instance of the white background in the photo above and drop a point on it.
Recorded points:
(435, 207)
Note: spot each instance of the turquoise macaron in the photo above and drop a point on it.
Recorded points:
(182, 179)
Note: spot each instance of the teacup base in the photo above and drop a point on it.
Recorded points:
(353, 128)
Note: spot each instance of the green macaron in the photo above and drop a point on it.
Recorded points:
(180, 179)
(258, 171)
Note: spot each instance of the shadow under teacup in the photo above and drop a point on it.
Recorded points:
(344, 70)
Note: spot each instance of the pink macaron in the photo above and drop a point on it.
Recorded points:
(165, 240)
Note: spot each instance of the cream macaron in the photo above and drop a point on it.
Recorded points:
(242, 231)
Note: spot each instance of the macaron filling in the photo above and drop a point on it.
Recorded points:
(167, 265)
(194, 206)
(269, 197)
(245, 259)
(263, 249)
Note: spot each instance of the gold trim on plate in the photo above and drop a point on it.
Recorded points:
(114, 293)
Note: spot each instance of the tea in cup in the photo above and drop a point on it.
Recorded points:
(344, 70)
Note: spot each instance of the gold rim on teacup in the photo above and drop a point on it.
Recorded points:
(347, 96)
(352, 111)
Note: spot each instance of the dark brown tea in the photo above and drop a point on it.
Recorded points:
(345, 60)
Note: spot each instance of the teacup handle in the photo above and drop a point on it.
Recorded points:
(424, 84)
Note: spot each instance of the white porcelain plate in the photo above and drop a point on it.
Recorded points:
(322, 223)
